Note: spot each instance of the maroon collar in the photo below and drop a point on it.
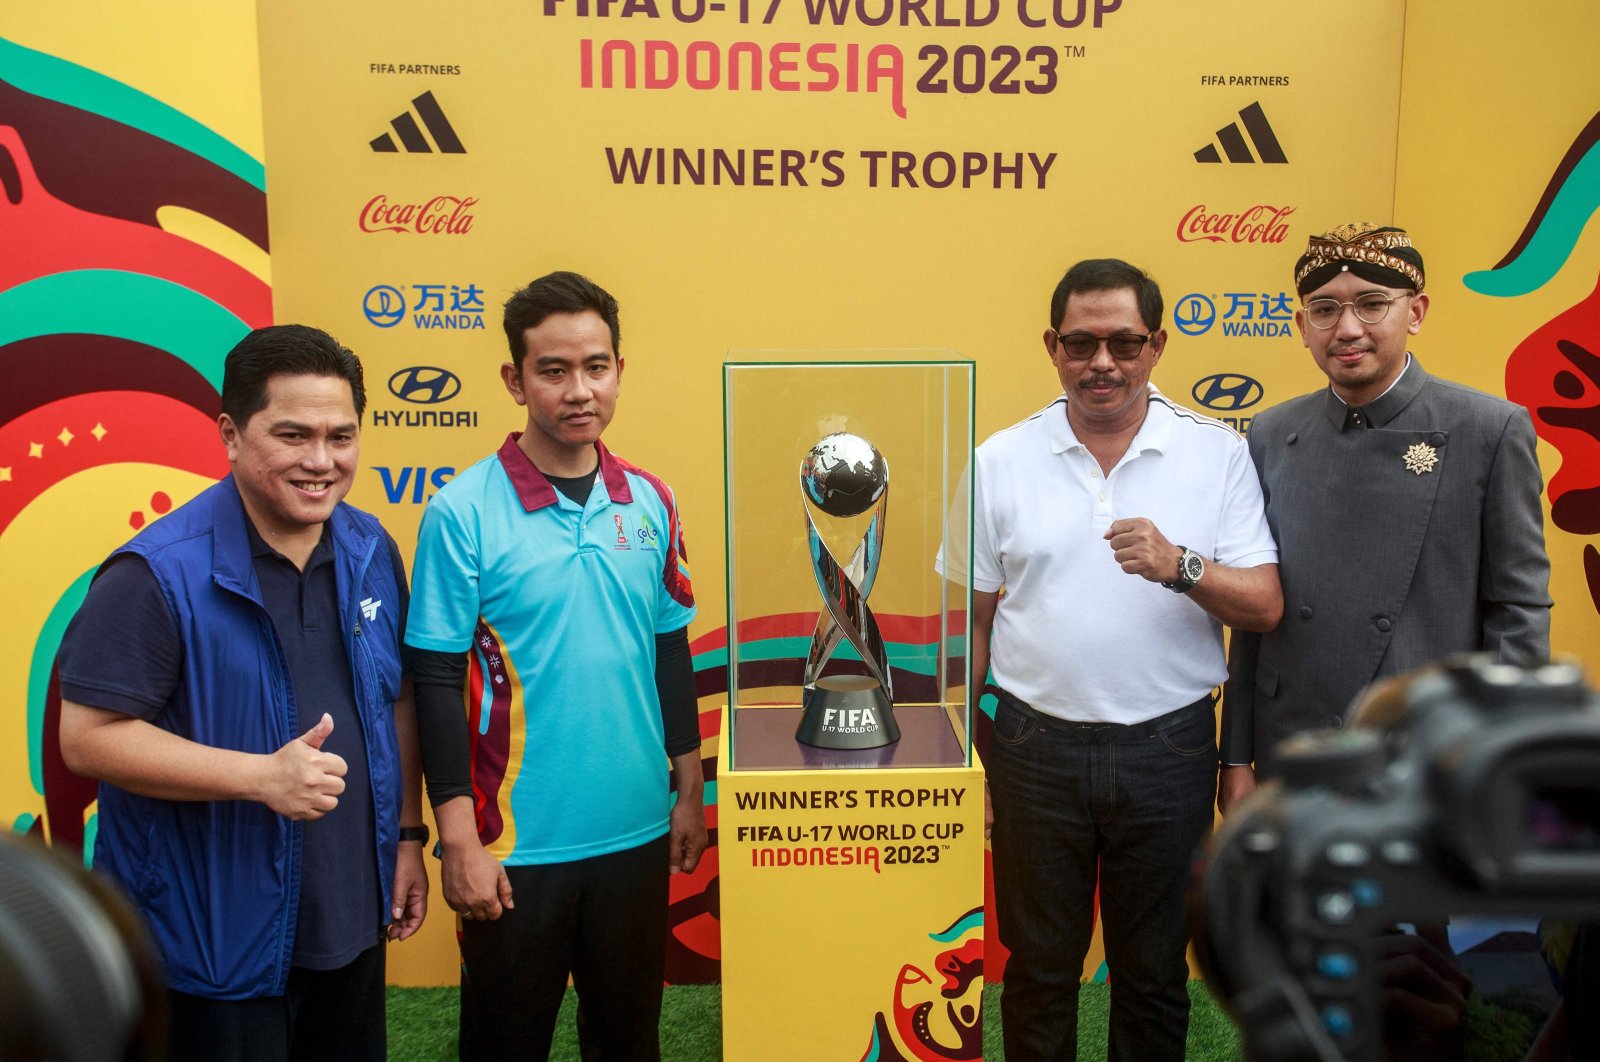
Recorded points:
(534, 489)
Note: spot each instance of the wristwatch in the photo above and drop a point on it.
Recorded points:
(1191, 567)
(414, 833)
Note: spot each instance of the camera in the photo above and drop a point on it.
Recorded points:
(1468, 787)
(79, 978)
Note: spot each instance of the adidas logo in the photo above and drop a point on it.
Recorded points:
(410, 134)
(1233, 140)
(369, 608)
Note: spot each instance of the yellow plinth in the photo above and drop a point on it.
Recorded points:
(852, 913)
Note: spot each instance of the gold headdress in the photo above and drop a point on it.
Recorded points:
(1382, 255)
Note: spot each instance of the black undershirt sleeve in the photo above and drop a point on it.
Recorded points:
(438, 679)
(680, 708)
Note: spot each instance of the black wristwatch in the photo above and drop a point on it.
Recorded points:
(415, 833)
(1191, 567)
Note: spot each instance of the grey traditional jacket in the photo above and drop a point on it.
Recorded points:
(1413, 536)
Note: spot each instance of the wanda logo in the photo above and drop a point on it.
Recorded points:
(1259, 224)
(443, 215)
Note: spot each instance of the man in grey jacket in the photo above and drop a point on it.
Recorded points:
(1406, 510)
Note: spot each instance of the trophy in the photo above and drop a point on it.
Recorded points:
(844, 476)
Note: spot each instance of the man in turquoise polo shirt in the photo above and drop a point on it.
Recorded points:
(552, 595)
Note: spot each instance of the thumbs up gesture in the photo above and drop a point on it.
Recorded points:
(301, 781)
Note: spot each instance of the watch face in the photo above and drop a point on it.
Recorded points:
(1193, 567)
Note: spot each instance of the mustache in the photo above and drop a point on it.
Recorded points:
(1102, 380)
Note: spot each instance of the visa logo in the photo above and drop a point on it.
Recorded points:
(412, 480)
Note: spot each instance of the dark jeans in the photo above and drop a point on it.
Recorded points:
(604, 920)
(333, 1015)
(1128, 805)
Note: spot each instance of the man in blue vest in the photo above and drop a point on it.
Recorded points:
(236, 681)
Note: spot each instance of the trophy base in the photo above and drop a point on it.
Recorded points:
(846, 712)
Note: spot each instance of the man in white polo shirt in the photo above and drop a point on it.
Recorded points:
(1114, 534)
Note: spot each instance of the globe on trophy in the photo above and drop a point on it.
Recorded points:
(844, 476)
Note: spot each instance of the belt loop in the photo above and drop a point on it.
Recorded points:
(1019, 705)
(1206, 703)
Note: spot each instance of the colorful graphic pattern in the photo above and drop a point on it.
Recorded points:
(694, 912)
(772, 653)
(1555, 372)
(923, 1031)
(1569, 201)
(133, 254)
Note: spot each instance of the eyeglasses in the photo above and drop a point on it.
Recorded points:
(1081, 346)
(1369, 309)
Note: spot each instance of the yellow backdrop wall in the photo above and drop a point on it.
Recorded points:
(750, 174)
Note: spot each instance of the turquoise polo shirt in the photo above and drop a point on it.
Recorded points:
(560, 605)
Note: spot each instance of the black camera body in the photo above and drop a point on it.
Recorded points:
(1481, 795)
(79, 977)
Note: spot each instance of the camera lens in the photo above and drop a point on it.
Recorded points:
(77, 975)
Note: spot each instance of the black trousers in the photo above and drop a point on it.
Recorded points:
(333, 1015)
(1081, 805)
(604, 921)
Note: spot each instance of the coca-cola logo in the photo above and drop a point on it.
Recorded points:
(1259, 224)
(447, 215)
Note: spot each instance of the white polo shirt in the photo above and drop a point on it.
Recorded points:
(1074, 635)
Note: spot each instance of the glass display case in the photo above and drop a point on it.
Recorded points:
(846, 489)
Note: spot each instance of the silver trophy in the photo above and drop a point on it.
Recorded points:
(844, 476)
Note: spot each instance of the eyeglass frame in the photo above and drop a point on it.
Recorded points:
(1144, 341)
(1388, 304)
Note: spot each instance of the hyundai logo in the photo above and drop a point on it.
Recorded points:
(384, 306)
(424, 385)
(1227, 391)
(1194, 314)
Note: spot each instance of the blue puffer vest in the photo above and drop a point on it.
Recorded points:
(219, 881)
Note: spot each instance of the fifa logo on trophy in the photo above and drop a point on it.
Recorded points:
(844, 476)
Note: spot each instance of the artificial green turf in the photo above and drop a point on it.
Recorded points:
(422, 1026)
